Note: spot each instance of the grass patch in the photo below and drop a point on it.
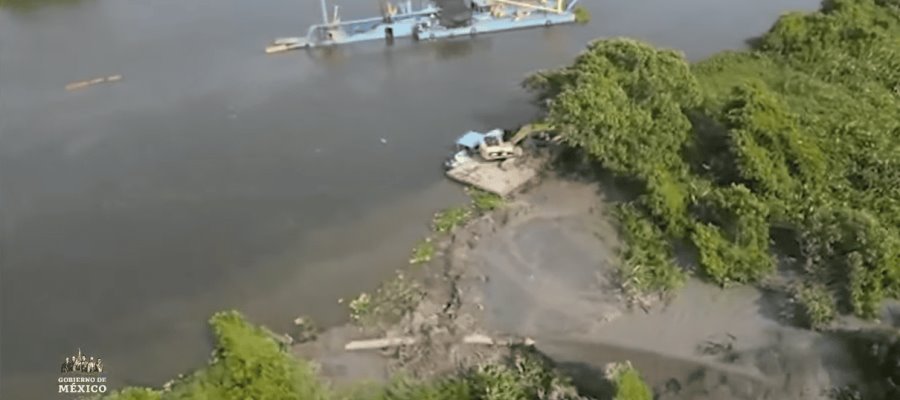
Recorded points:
(582, 16)
(628, 383)
(484, 201)
(816, 307)
(447, 220)
(390, 302)
(423, 252)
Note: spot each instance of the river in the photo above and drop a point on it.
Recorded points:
(214, 176)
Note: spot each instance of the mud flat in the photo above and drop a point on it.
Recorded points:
(710, 343)
(544, 267)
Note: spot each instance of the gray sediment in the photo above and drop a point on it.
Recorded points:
(544, 267)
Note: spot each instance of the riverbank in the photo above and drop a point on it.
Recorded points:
(545, 266)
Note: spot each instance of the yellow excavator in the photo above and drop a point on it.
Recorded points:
(495, 148)
(493, 145)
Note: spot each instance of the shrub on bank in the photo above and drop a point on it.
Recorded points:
(648, 262)
(628, 383)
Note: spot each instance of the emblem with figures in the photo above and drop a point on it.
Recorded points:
(87, 371)
(82, 363)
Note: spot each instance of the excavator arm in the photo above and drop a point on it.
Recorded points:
(527, 130)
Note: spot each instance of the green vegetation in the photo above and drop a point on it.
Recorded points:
(249, 364)
(582, 16)
(423, 252)
(483, 201)
(816, 307)
(447, 220)
(628, 383)
(525, 376)
(649, 264)
(800, 134)
(390, 302)
(246, 364)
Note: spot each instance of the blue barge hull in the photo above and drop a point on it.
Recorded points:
(488, 25)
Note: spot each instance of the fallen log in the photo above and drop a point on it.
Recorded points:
(84, 84)
(477, 339)
(281, 48)
(379, 343)
(285, 44)
(485, 340)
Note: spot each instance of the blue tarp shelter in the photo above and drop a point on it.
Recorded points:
(471, 140)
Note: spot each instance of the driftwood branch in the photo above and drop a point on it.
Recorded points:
(477, 339)
(379, 343)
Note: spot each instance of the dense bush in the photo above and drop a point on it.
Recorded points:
(247, 363)
(801, 133)
(648, 262)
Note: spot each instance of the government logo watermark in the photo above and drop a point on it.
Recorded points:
(81, 374)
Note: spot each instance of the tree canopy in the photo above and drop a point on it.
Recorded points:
(800, 133)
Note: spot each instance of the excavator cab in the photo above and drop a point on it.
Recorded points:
(494, 148)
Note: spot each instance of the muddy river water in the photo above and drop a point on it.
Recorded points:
(213, 176)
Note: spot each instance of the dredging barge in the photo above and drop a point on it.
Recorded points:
(402, 20)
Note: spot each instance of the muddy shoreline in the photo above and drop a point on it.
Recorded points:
(544, 267)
